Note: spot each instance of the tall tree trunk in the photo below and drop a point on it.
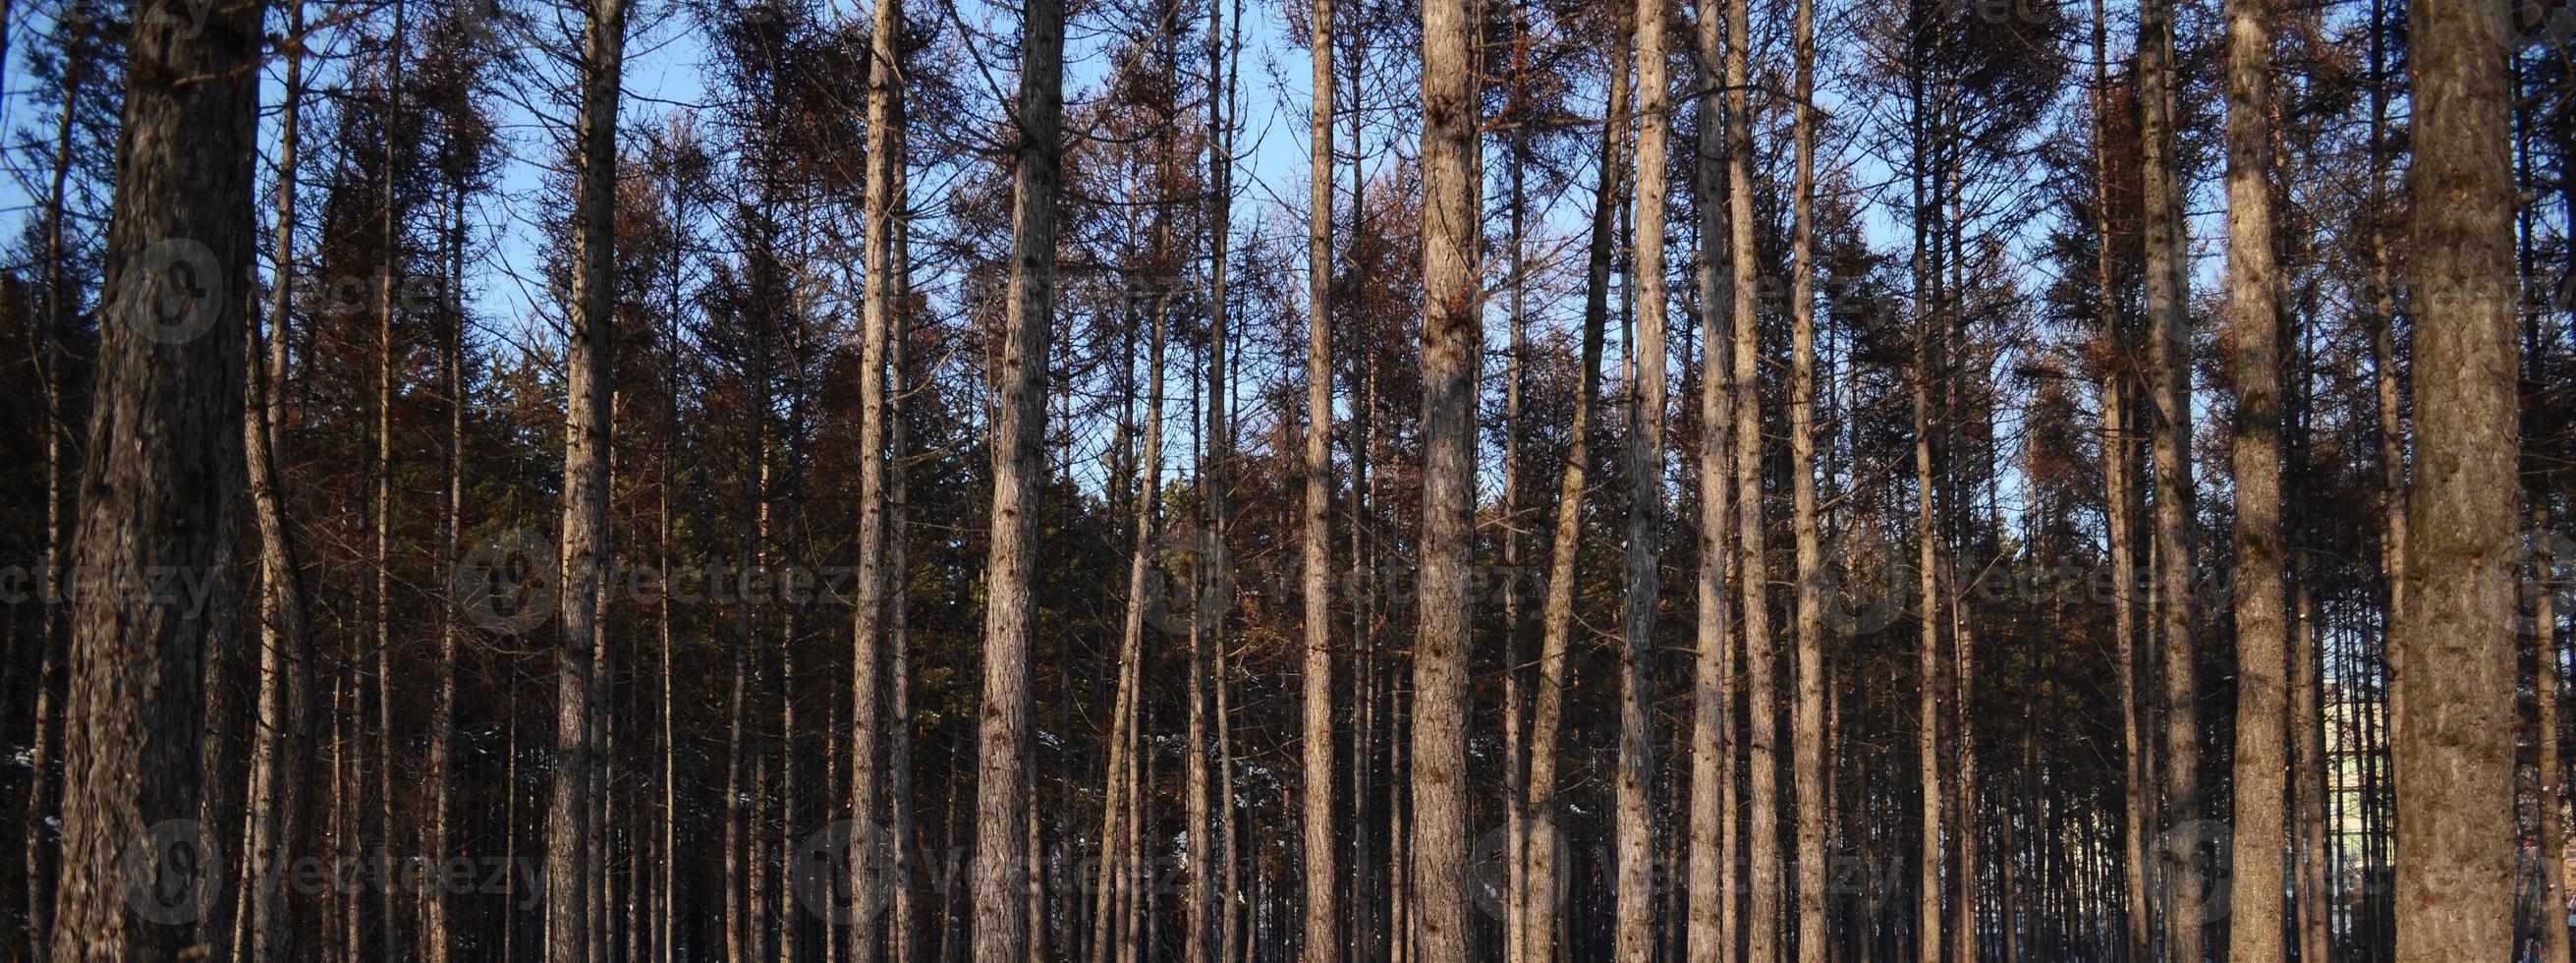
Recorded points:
(1001, 927)
(1452, 232)
(380, 504)
(1811, 766)
(1712, 812)
(2262, 627)
(60, 448)
(2169, 359)
(1541, 901)
(2455, 731)
(164, 460)
(884, 161)
(1645, 456)
(585, 498)
(1927, 732)
(2117, 463)
(434, 935)
(1315, 552)
(285, 657)
(1762, 914)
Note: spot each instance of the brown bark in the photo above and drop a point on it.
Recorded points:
(1315, 553)
(585, 498)
(2454, 756)
(2262, 627)
(164, 460)
(2169, 359)
(1635, 830)
(1001, 872)
(885, 93)
(1452, 232)
(1762, 913)
(1811, 765)
(1539, 902)
(1712, 808)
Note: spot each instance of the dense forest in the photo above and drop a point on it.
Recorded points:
(1337, 481)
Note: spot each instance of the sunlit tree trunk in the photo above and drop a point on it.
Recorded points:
(1322, 942)
(1002, 928)
(585, 498)
(1811, 765)
(1644, 448)
(2455, 734)
(2262, 628)
(1712, 820)
(1452, 232)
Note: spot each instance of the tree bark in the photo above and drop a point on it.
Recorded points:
(2169, 357)
(1812, 765)
(1001, 927)
(885, 93)
(585, 498)
(1452, 232)
(1315, 552)
(1540, 902)
(1712, 812)
(1645, 456)
(2455, 732)
(164, 460)
(1762, 914)
(2262, 627)
(285, 655)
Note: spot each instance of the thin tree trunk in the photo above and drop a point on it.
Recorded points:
(1001, 927)
(1712, 820)
(2169, 358)
(1811, 766)
(1763, 919)
(2552, 896)
(1541, 902)
(1315, 553)
(884, 160)
(2113, 353)
(285, 659)
(1635, 830)
(165, 441)
(42, 785)
(585, 498)
(2262, 627)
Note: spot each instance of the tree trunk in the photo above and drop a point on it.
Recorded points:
(1762, 914)
(285, 658)
(2262, 628)
(1645, 456)
(2169, 357)
(1001, 927)
(1315, 551)
(2117, 463)
(1541, 901)
(585, 498)
(1812, 765)
(885, 93)
(1712, 812)
(2455, 732)
(1452, 232)
(165, 447)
